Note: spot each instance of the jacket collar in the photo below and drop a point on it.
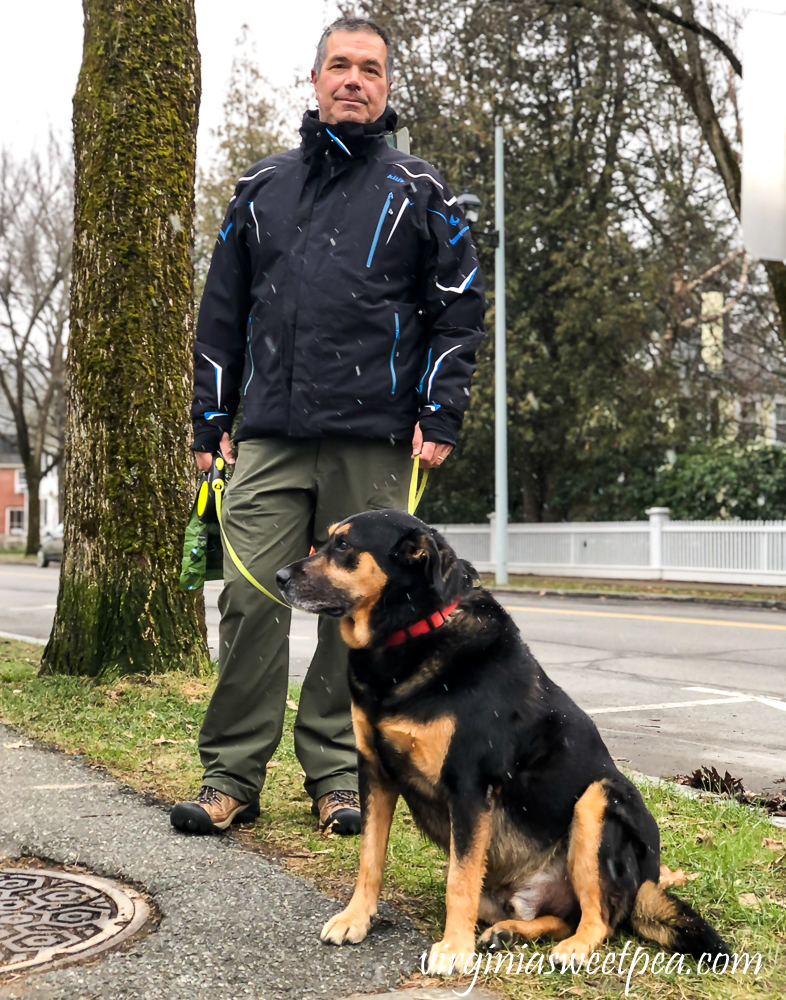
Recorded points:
(344, 140)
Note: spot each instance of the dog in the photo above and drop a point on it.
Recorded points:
(499, 767)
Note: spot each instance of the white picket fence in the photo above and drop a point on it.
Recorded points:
(659, 549)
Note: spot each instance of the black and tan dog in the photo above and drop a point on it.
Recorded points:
(499, 767)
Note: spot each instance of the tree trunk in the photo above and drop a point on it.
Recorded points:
(33, 478)
(129, 474)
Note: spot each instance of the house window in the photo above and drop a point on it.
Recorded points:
(20, 481)
(780, 422)
(16, 520)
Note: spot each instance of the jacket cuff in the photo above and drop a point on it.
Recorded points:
(206, 439)
(439, 428)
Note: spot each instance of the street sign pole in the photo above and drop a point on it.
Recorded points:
(500, 375)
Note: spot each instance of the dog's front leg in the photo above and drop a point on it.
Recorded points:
(470, 833)
(377, 805)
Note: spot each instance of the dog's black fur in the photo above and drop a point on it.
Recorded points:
(497, 764)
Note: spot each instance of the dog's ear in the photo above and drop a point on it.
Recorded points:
(419, 548)
(437, 561)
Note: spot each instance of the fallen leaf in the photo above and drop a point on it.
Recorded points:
(708, 779)
(112, 694)
(749, 899)
(773, 845)
(16, 746)
(576, 991)
(17, 691)
(274, 763)
(676, 877)
(161, 740)
(291, 704)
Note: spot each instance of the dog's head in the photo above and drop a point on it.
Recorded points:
(378, 572)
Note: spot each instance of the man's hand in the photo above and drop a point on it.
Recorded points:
(431, 454)
(204, 459)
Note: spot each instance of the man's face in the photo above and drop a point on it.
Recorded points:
(352, 85)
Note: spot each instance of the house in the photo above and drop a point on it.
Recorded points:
(13, 498)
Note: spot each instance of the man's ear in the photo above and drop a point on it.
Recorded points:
(420, 548)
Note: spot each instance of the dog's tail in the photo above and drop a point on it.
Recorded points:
(670, 922)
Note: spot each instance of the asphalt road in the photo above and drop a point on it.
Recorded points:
(671, 687)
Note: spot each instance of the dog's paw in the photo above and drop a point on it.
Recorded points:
(572, 949)
(449, 957)
(347, 927)
(495, 940)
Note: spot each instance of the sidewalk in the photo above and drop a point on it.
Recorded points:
(233, 924)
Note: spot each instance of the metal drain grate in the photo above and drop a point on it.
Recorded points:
(49, 917)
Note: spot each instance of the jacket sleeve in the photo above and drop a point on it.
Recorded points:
(220, 346)
(455, 306)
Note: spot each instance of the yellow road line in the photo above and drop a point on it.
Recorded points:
(644, 618)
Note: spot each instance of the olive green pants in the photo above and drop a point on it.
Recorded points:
(282, 498)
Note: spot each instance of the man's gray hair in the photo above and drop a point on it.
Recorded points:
(354, 24)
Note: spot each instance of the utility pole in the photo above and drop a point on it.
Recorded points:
(500, 373)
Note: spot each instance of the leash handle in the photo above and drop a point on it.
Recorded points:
(415, 491)
(218, 485)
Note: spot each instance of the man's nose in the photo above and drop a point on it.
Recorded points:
(352, 78)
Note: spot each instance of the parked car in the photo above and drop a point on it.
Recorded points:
(51, 547)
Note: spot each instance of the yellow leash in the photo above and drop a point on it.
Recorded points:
(415, 494)
(218, 489)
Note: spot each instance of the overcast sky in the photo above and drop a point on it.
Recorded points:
(39, 63)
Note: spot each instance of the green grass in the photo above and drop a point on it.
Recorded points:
(121, 725)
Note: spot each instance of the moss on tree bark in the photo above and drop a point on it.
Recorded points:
(128, 468)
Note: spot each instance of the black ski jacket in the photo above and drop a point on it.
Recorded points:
(344, 297)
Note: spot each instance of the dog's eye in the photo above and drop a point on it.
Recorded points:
(342, 545)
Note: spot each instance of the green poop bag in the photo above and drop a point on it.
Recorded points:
(203, 555)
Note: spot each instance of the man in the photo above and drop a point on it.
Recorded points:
(343, 308)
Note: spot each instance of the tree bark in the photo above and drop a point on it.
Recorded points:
(128, 468)
(33, 510)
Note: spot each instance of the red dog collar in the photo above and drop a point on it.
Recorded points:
(423, 626)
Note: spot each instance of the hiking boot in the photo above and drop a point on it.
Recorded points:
(211, 811)
(339, 812)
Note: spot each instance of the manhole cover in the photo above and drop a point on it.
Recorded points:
(48, 917)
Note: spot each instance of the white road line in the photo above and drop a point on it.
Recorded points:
(772, 702)
(736, 699)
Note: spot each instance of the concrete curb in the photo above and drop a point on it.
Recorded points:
(719, 602)
(23, 638)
